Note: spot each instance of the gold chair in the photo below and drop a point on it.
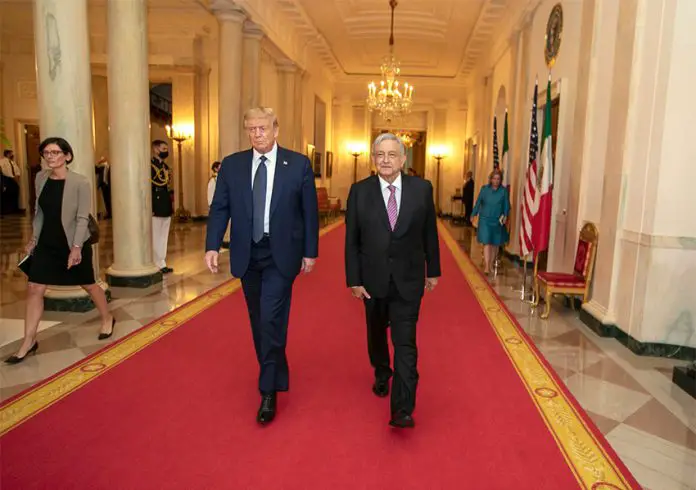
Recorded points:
(576, 283)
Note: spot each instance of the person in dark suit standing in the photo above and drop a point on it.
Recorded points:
(268, 195)
(162, 208)
(391, 256)
(468, 197)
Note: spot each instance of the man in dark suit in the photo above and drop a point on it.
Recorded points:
(392, 256)
(468, 197)
(268, 194)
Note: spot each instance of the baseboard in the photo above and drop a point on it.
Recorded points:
(685, 378)
(649, 349)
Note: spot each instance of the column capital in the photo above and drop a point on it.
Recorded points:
(227, 11)
(252, 30)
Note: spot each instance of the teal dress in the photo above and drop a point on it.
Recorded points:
(490, 206)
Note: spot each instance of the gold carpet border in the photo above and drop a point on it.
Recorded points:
(49, 392)
(592, 466)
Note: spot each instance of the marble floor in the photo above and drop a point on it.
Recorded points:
(650, 422)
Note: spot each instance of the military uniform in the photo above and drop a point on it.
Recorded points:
(162, 210)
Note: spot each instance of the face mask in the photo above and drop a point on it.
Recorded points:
(163, 154)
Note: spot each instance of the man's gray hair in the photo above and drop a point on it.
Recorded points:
(388, 137)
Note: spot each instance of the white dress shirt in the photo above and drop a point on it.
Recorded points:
(211, 189)
(386, 192)
(271, 158)
(9, 168)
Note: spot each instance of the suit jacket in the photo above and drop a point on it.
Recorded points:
(374, 253)
(77, 204)
(294, 213)
(160, 176)
(468, 192)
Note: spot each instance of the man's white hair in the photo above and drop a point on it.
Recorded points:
(388, 137)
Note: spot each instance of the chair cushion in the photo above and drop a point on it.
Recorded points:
(562, 280)
(582, 258)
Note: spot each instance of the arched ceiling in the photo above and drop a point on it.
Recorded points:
(433, 38)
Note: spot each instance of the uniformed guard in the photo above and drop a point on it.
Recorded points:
(162, 208)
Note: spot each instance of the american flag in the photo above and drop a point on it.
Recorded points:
(530, 190)
(496, 159)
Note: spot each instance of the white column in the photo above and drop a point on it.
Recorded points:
(287, 71)
(230, 77)
(64, 87)
(129, 142)
(251, 76)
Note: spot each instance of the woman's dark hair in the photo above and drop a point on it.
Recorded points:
(215, 166)
(61, 143)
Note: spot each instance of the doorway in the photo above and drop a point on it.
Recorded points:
(415, 143)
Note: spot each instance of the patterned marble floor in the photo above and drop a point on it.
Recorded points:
(650, 422)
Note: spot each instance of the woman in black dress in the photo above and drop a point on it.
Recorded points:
(60, 255)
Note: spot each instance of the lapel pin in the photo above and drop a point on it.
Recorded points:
(284, 162)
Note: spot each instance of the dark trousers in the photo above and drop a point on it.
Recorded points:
(268, 294)
(106, 194)
(401, 317)
(468, 208)
(10, 195)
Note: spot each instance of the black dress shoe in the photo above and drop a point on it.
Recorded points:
(103, 336)
(267, 410)
(402, 421)
(381, 388)
(17, 359)
(166, 270)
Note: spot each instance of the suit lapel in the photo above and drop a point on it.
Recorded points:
(279, 178)
(378, 202)
(407, 203)
(246, 182)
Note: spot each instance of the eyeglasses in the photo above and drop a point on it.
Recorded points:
(51, 153)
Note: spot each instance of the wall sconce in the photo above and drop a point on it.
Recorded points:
(356, 149)
(438, 152)
(181, 133)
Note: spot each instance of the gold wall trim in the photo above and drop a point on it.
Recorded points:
(585, 454)
(18, 410)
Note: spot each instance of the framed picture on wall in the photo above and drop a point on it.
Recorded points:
(329, 164)
(310, 152)
(317, 164)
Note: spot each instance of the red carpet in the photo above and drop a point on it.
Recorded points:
(181, 412)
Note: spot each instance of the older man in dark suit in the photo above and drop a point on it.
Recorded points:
(392, 255)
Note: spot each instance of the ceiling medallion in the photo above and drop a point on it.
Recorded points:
(554, 30)
(392, 99)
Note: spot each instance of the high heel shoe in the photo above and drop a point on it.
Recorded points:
(103, 336)
(16, 359)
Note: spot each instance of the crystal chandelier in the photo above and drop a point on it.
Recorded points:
(408, 138)
(391, 99)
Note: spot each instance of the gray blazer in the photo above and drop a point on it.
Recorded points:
(77, 204)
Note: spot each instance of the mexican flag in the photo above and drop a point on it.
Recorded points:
(505, 167)
(541, 226)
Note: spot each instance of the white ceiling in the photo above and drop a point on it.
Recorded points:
(432, 37)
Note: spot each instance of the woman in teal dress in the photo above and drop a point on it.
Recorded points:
(492, 208)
